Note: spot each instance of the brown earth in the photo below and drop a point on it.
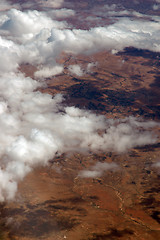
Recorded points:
(53, 202)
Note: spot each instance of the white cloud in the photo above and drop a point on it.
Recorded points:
(25, 25)
(109, 7)
(34, 130)
(34, 127)
(156, 164)
(156, 7)
(50, 3)
(117, 11)
(98, 170)
(6, 5)
(42, 4)
(61, 13)
(94, 19)
(46, 72)
(90, 66)
(41, 45)
(124, 33)
(76, 69)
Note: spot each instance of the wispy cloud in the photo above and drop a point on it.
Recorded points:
(98, 170)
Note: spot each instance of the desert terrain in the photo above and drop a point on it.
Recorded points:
(55, 202)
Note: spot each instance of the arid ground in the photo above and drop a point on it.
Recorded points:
(54, 202)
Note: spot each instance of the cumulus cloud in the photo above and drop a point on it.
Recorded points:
(37, 39)
(98, 170)
(27, 24)
(34, 127)
(117, 36)
(9, 60)
(76, 69)
(46, 72)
